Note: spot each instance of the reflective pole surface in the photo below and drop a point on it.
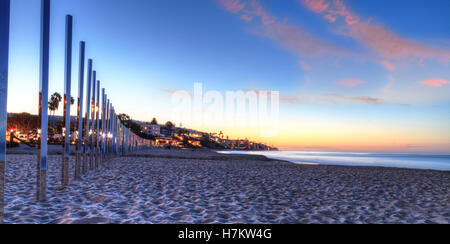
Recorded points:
(43, 100)
(92, 140)
(86, 117)
(108, 128)
(4, 55)
(97, 135)
(103, 126)
(80, 111)
(67, 100)
(113, 131)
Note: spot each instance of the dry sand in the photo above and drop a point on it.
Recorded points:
(165, 186)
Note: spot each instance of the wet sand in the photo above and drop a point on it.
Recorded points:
(166, 186)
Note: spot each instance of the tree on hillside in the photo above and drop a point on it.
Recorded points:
(53, 104)
(128, 122)
(169, 125)
(24, 122)
(154, 121)
(125, 118)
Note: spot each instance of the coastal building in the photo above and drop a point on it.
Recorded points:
(150, 129)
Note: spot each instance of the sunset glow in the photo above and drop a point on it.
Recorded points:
(351, 75)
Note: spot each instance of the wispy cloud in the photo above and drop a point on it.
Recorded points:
(304, 65)
(331, 10)
(329, 98)
(338, 97)
(234, 6)
(351, 82)
(389, 86)
(292, 37)
(388, 65)
(385, 43)
(318, 6)
(392, 46)
(172, 92)
(436, 82)
(289, 99)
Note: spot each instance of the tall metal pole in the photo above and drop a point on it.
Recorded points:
(118, 136)
(103, 125)
(80, 111)
(4, 56)
(91, 151)
(108, 126)
(43, 100)
(113, 132)
(97, 135)
(67, 100)
(86, 117)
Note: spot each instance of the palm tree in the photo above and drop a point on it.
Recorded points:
(154, 121)
(53, 104)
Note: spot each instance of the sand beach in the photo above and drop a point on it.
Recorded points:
(202, 187)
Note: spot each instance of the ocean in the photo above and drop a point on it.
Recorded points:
(396, 160)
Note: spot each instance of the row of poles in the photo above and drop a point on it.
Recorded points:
(101, 135)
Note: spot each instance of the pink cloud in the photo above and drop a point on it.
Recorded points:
(436, 82)
(390, 45)
(330, 17)
(291, 37)
(351, 82)
(389, 86)
(317, 6)
(388, 65)
(385, 43)
(234, 6)
(331, 10)
(287, 99)
(246, 18)
(369, 100)
(341, 9)
(304, 65)
(255, 8)
(303, 44)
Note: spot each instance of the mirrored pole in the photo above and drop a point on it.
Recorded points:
(122, 138)
(86, 117)
(108, 127)
(118, 136)
(4, 56)
(127, 140)
(116, 133)
(103, 134)
(80, 111)
(109, 130)
(43, 101)
(92, 137)
(116, 121)
(67, 100)
(97, 130)
(112, 130)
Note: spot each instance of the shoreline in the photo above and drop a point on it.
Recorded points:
(211, 154)
(343, 163)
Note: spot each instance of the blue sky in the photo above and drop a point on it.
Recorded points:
(353, 66)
